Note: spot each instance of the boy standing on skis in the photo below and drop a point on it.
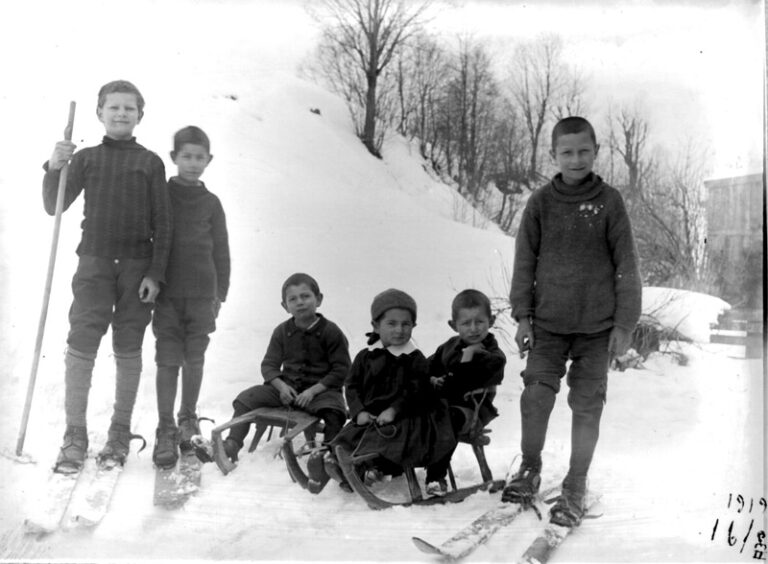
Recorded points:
(576, 295)
(305, 365)
(197, 281)
(123, 253)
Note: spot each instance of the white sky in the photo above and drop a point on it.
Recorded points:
(696, 71)
(695, 68)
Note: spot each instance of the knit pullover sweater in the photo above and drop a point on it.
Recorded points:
(199, 263)
(304, 357)
(127, 210)
(576, 267)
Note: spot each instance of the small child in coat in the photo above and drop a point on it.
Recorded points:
(393, 412)
(197, 282)
(305, 365)
(465, 370)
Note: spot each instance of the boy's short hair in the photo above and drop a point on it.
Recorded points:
(468, 299)
(124, 87)
(569, 125)
(298, 279)
(192, 135)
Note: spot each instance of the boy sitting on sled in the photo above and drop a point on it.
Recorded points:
(305, 365)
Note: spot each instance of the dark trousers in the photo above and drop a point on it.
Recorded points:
(587, 381)
(182, 327)
(106, 292)
(327, 405)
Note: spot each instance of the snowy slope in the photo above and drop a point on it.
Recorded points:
(301, 194)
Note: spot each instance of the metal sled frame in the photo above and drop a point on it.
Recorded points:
(349, 465)
(292, 424)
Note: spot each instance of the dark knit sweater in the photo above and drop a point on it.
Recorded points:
(127, 211)
(304, 357)
(484, 370)
(199, 265)
(576, 267)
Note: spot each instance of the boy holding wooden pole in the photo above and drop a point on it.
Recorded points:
(122, 259)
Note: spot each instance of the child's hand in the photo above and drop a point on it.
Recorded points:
(363, 418)
(524, 336)
(62, 152)
(469, 352)
(437, 382)
(287, 395)
(148, 290)
(305, 397)
(386, 416)
(618, 342)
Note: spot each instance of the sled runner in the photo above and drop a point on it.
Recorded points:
(353, 467)
(297, 430)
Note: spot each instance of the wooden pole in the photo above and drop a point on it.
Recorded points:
(48, 284)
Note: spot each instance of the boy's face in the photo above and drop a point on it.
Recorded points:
(301, 302)
(472, 324)
(394, 327)
(119, 114)
(191, 161)
(574, 154)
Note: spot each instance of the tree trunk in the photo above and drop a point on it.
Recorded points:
(369, 126)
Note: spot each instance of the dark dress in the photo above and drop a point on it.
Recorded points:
(421, 432)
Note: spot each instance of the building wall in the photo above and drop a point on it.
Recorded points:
(735, 236)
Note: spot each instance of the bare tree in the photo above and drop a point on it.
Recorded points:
(368, 34)
(537, 80)
(665, 200)
(509, 177)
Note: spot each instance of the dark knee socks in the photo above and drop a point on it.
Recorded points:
(585, 430)
(334, 421)
(166, 384)
(191, 381)
(240, 431)
(126, 386)
(78, 371)
(536, 405)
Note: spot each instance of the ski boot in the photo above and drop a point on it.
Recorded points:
(116, 449)
(232, 448)
(568, 510)
(166, 452)
(73, 451)
(188, 428)
(333, 469)
(437, 488)
(318, 477)
(523, 486)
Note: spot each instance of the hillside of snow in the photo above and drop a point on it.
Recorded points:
(302, 194)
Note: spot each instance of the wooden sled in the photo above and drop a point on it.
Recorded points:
(352, 468)
(298, 430)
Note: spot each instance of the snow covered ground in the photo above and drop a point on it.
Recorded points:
(301, 194)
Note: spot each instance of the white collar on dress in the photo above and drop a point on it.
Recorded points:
(407, 348)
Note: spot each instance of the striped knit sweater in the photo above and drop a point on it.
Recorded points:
(127, 211)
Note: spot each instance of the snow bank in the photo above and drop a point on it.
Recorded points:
(691, 313)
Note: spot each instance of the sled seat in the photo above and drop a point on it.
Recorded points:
(292, 424)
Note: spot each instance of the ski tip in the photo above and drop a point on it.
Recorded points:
(425, 547)
(33, 528)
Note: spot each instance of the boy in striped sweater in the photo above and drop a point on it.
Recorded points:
(122, 258)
